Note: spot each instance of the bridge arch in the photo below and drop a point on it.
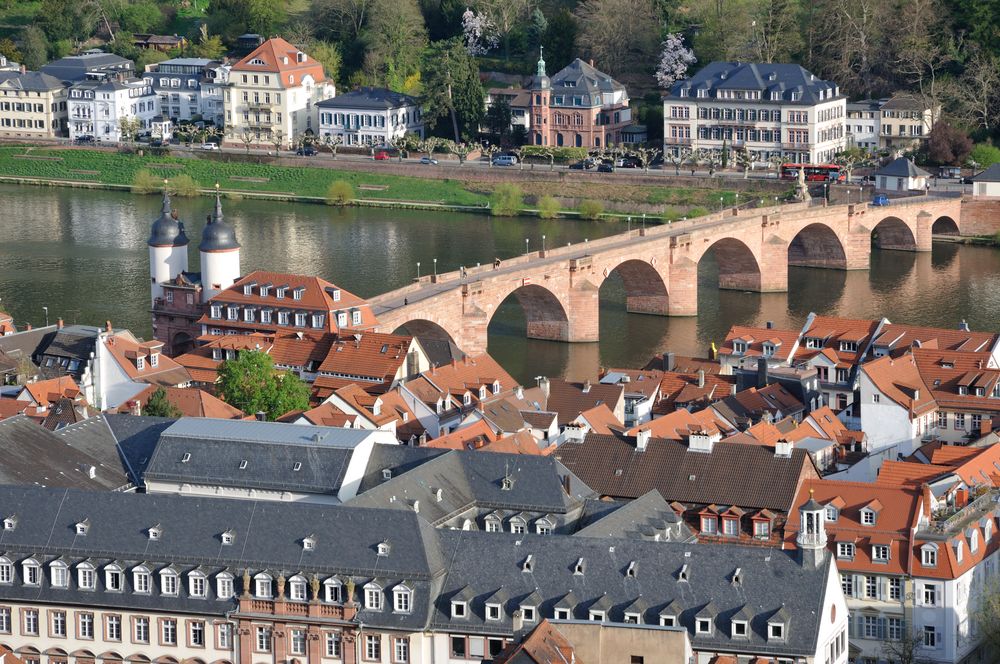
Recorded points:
(645, 289)
(945, 225)
(894, 233)
(425, 329)
(544, 312)
(738, 266)
(817, 245)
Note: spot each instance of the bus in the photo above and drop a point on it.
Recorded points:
(814, 172)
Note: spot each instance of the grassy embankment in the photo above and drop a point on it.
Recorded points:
(116, 170)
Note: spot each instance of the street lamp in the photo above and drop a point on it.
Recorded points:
(526, 241)
(418, 270)
(721, 203)
(629, 222)
(435, 267)
(543, 243)
(46, 310)
(826, 191)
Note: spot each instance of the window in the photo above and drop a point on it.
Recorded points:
(703, 626)
(562, 614)
(960, 421)
(297, 642)
(401, 650)
(59, 574)
(85, 626)
(867, 517)
(876, 398)
(872, 627)
(775, 630)
(942, 419)
(401, 601)
(458, 609)
(333, 644)
(895, 588)
(709, 525)
(668, 621)
(224, 586)
(356, 318)
(528, 613)
(930, 636)
(140, 580)
(373, 598)
(113, 627)
(493, 612)
(31, 572)
(31, 622)
(928, 557)
(598, 616)
(847, 584)
(58, 623)
(263, 639)
(300, 320)
(6, 571)
(845, 550)
(224, 636)
(168, 582)
(168, 632)
(297, 590)
(333, 588)
(880, 553)
(895, 626)
(930, 594)
(761, 529)
(196, 585)
(458, 647)
(373, 647)
(517, 526)
(730, 527)
(263, 586)
(342, 319)
(832, 514)
(140, 631)
(739, 628)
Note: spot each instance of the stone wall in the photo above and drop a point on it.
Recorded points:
(980, 216)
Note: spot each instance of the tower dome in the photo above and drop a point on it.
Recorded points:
(540, 81)
(167, 231)
(218, 235)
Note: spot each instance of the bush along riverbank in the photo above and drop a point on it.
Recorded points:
(189, 175)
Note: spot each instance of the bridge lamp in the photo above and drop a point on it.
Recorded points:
(721, 203)
(643, 221)
(543, 243)
(435, 267)
(46, 310)
(628, 220)
(418, 269)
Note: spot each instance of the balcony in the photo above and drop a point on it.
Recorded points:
(259, 105)
(951, 520)
(677, 140)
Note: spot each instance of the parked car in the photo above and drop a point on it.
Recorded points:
(209, 146)
(881, 200)
(630, 162)
(85, 139)
(156, 143)
(606, 167)
(966, 180)
(505, 160)
(382, 155)
(584, 164)
(307, 151)
(428, 161)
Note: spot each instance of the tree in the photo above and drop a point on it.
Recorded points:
(231, 18)
(159, 406)
(498, 118)
(848, 43)
(328, 55)
(987, 613)
(678, 158)
(208, 46)
(504, 16)
(560, 39)
(848, 160)
(775, 161)
(248, 138)
(67, 19)
(984, 155)
(675, 58)
(619, 34)
(645, 156)
(277, 139)
(8, 49)
(142, 16)
(537, 27)
(905, 650)
(394, 41)
(479, 33)
(332, 143)
(947, 145)
(744, 161)
(128, 127)
(251, 383)
(452, 87)
(341, 20)
(978, 90)
(460, 150)
(33, 47)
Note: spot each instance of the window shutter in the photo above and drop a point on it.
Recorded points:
(881, 628)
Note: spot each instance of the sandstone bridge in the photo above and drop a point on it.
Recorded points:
(558, 288)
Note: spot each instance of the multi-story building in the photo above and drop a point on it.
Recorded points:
(370, 116)
(96, 107)
(863, 121)
(906, 121)
(272, 93)
(912, 561)
(32, 105)
(518, 101)
(772, 110)
(580, 106)
(189, 88)
(89, 64)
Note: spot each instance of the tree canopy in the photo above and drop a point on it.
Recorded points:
(251, 383)
(159, 406)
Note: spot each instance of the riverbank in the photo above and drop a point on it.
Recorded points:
(238, 176)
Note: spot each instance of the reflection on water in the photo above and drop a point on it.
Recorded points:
(83, 254)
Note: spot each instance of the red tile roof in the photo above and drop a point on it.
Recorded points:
(679, 425)
(682, 388)
(754, 337)
(901, 336)
(49, 391)
(277, 55)
(125, 351)
(373, 355)
(471, 437)
(601, 419)
(470, 373)
(190, 401)
(899, 380)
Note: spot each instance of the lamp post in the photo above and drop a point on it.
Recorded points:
(435, 267)
(543, 243)
(628, 220)
(46, 310)
(526, 242)
(418, 270)
(643, 222)
(721, 203)
(826, 191)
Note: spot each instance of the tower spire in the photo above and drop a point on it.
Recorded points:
(166, 198)
(217, 215)
(541, 61)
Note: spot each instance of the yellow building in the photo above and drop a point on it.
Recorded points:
(32, 105)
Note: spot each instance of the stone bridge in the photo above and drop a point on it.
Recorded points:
(558, 287)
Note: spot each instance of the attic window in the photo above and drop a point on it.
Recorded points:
(631, 570)
(309, 543)
(703, 625)
(580, 566)
(738, 576)
(867, 517)
(776, 631)
(668, 621)
(386, 473)
(82, 527)
(186, 457)
(529, 563)
(257, 61)
(739, 347)
(297, 466)
(684, 573)
(383, 548)
(243, 464)
(10, 523)
(155, 532)
(228, 537)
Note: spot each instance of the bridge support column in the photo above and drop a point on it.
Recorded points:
(473, 337)
(773, 267)
(923, 236)
(683, 288)
(858, 247)
(584, 313)
(656, 305)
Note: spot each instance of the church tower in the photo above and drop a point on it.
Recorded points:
(220, 254)
(811, 538)
(538, 103)
(168, 248)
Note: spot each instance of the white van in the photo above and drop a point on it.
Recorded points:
(504, 160)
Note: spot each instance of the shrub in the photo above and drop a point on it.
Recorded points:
(591, 209)
(671, 214)
(696, 212)
(548, 207)
(145, 182)
(340, 192)
(506, 201)
(184, 186)
(985, 155)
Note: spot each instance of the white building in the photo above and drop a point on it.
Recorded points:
(897, 407)
(190, 87)
(370, 116)
(863, 120)
(901, 175)
(97, 106)
(769, 109)
(987, 183)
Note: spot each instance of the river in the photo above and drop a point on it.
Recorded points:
(83, 255)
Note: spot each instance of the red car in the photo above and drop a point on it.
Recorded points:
(381, 155)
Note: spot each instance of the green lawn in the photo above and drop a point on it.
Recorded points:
(114, 168)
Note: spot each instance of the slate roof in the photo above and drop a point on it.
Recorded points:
(578, 77)
(35, 455)
(749, 476)
(369, 98)
(468, 478)
(32, 81)
(771, 580)
(784, 79)
(902, 168)
(397, 459)
(648, 517)
(74, 68)
(991, 174)
(137, 438)
(268, 536)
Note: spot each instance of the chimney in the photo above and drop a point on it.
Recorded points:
(591, 62)
(24, 70)
(916, 395)
(519, 392)
(135, 408)
(261, 416)
(761, 372)
(543, 383)
(701, 378)
(711, 351)
(107, 326)
(59, 323)
(454, 362)
(586, 386)
(783, 448)
(642, 439)
(669, 362)
(963, 326)
(28, 328)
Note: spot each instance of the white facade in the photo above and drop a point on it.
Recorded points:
(375, 120)
(889, 426)
(900, 183)
(219, 271)
(189, 87)
(95, 108)
(165, 263)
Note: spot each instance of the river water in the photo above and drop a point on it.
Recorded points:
(83, 255)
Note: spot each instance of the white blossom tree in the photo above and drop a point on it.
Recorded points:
(675, 58)
(479, 33)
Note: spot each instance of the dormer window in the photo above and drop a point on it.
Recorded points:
(493, 612)
(113, 578)
(963, 390)
(973, 541)
(10, 523)
(880, 553)
(355, 317)
(776, 631)
(373, 597)
(82, 527)
(867, 517)
(264, 290)
(668, 620)
(740, 629)
(248, 289)
(768, 349)
(224, 585)
(279, 292)
(297, 293)
(197, 585)
(832, 514)
(703, 626)
(459, 609)
(739, 347)
(86, 579)
(216, 353)
(297, 589)
(597, 615)
(31, 573)
(467, 398)
(482, 392)
(154, 360)
(58, 572)
(528, 613)
(333, 591)
(155, 532)
(342, 319)
(228, 537)
(383, 548)
(845, 550)
(262, 586)
(928, 555)
(814, 342)
(232, 313)
(140, 363)
(401, 599)
(849, 346)
(496, 387)
(309, 543)
(216, 311)
(141, 580)
(335, 294)
(169, 583)
(579, 567)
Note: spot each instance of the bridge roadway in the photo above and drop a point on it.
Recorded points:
(558, 287)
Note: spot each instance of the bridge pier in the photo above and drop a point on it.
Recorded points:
(654, 305)
(683, 288)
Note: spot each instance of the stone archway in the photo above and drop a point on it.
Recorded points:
(945, 226)
(544, 313)
(892, 233)
(645, 290)
(181, 343)
(738, 267)
(424, 329)
(817, 245)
